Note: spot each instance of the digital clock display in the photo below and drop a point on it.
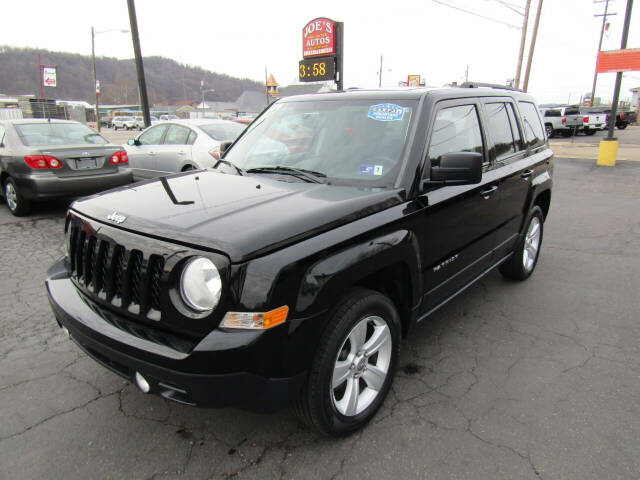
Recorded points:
(317, 69)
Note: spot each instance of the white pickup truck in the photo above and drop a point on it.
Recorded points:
(592, 121)
(562, 120)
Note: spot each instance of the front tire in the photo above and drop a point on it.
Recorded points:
(525, 256)
(354, 365)
(17, 204)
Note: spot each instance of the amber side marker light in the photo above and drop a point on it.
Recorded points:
(255, 320)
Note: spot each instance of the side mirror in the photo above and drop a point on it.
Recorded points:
(458, 168)
(224, 146)
(132, 142)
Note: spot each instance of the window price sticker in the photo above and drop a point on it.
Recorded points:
(386, 112)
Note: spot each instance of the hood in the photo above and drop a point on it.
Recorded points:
(240, 216)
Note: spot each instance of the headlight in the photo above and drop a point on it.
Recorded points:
(200, 284)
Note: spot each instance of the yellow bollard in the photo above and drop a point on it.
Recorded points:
(607, 153)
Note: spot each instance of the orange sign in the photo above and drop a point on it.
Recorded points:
(625, 60)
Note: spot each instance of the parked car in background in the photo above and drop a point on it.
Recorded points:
(623, 119)
(179, 145)
(593, 121)
(168, 117)
(42, 159)
(124, 123)
(105, 121)
(561, 120)
(139, 123)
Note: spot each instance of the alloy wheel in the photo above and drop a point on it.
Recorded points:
(361, 366)
(531, 244)
(11, 196)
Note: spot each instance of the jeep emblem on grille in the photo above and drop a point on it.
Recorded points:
(116, 217)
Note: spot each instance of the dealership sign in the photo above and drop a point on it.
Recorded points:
(319, 38)
(626, 60)
(49, 76)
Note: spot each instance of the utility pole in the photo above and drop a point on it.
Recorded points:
(466, 74)
(604, 22)
(266, 88)
(616, 91)
(95, 80)
(142, 86)
(525, 85)
(380, 74)
(40, 79)
(523, 39)
(340, 55)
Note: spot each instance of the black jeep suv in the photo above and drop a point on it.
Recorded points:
(291, 271)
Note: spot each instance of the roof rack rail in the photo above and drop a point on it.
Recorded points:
(489, 85)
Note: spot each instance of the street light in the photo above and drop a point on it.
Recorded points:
(93, 64)
(204, 90)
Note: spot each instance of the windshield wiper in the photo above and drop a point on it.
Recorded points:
(227, 162)
(309, 175)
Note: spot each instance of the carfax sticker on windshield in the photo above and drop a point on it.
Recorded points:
(386, 112)
(370, 169)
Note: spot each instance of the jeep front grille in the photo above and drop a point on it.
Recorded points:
(123, 278)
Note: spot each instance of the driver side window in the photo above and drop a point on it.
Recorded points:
(456, 129)
(153, 136)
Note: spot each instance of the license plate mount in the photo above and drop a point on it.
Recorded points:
(86, 163)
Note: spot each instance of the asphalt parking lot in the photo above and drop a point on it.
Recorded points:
(539, 379)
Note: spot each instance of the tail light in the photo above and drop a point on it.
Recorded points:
(119, 158)
(585, 119)
(215, 153)
(564, 120)
(622, 116)
(42, 162)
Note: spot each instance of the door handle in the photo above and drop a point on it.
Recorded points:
(486, 193)
(151, 153)
(181, 152)
(526, 173)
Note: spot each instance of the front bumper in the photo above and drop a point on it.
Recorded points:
(36, 186)
(173, 374)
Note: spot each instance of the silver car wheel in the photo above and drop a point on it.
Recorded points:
(11, 196)
(531, 244)
(361, 366)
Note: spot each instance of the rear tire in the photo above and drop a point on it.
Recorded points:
(17, 204)
(354, 365)
(589, 131)
(525, 256)
(622, 126)
(548, 128)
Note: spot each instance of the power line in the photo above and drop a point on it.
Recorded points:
(470, 12)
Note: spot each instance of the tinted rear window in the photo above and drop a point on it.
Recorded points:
(39, 134)
(531, 123)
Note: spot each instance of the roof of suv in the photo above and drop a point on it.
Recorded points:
(412, 93)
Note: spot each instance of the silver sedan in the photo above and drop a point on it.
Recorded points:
(179, 145)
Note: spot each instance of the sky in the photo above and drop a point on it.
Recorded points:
(423, 37)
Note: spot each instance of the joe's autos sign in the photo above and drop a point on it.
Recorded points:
(319, 38)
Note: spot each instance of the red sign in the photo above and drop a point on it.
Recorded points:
(319, 38)
(625, 60)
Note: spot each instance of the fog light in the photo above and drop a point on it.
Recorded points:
(142, 383)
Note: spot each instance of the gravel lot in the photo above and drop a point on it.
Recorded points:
(533, 380)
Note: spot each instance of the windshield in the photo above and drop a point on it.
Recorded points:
(37, 134)
(352, 142)
(222, 131)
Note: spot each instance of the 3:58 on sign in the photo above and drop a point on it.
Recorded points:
(317, 69)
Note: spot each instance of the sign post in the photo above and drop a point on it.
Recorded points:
(618, 61)
(322, 47)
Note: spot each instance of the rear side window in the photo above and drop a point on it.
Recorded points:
(500, 128)
(533, 132)
(456, 129)
(514, 126)
(177, 135)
